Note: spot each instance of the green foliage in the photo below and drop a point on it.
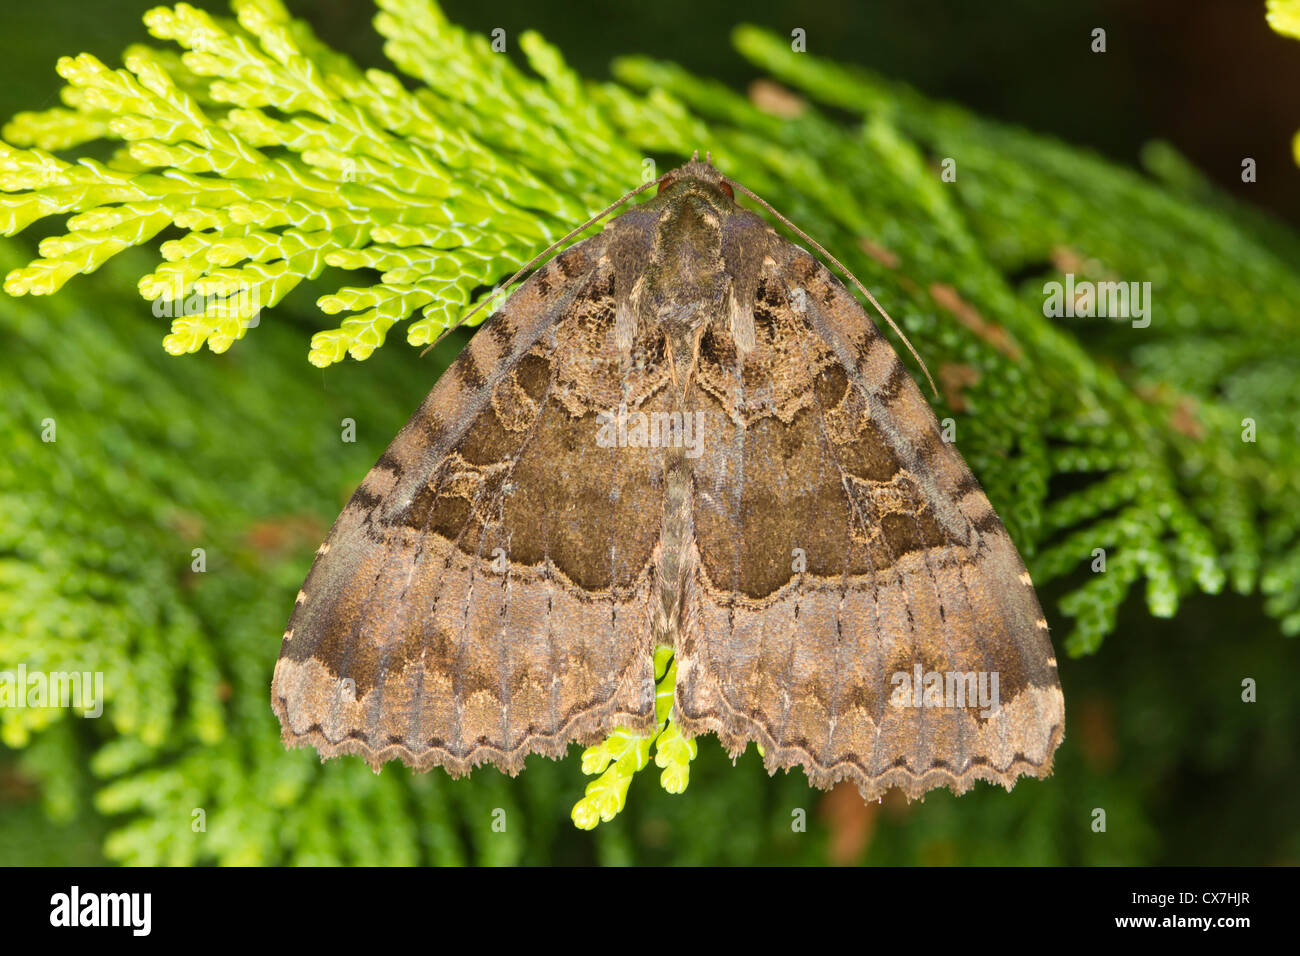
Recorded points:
(1284, 17)
(268, 161)
(623, 753)
(280, 157)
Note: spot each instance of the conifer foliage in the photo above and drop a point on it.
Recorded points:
(1155, 454)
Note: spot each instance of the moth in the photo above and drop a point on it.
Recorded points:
(682, 431)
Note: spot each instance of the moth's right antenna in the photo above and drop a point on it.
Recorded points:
(839, 265)
(536, 259)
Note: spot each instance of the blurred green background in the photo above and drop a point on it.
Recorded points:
(240, 453)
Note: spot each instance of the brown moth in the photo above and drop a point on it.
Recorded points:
(683, 431)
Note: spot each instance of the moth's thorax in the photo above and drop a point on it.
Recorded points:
(687, 279)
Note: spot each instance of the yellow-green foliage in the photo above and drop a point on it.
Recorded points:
(263, 158)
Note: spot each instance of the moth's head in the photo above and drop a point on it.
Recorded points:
(698, 179)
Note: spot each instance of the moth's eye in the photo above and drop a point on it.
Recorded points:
(667, 181)
(726, 188)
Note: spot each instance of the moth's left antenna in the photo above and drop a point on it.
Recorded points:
(536, 259)
(839, 265)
